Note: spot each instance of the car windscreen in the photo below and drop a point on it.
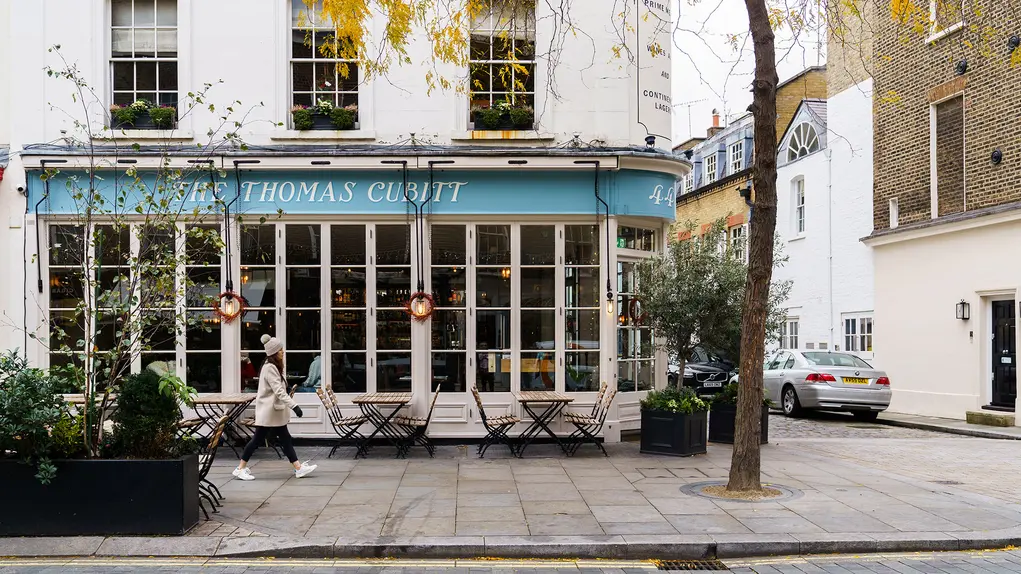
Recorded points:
(835, 360)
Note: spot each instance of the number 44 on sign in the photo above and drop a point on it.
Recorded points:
(661, 194)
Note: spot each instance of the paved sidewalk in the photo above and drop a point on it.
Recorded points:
(952, 426)
(627, 506)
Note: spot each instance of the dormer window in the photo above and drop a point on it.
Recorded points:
(804, 140)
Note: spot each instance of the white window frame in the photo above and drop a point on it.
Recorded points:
(172, 94)
(735, 155)
(738, 241)
(689, 183)
(493, 96)
(894, 213)
(935, 32)
(334, 94)
(709, 166)
(858, 330)
(798, 203)
(804, 141)
(789, 333)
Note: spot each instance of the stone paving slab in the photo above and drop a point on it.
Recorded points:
(952, 426)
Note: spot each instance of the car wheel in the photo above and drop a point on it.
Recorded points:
(867, 416)
(790, 403)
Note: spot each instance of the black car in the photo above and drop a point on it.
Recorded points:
(706, 374)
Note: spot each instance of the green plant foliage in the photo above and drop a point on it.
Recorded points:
(69, 436)
(29, 408)
(728, 396)
(302, 118)
(488, 118)
(342, 118)
(163, 117)
(124, 115)
(673, 400)
(522, 118)
(145, 424)
(67, 378)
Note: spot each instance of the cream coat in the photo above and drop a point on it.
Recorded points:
(272, 403)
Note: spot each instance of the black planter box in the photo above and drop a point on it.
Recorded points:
(505, 123)
(101, 497)
(673, 434)
(722, 420)
(142, 122)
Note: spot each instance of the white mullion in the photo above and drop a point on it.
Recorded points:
(471, 321)
(515, 314)
(607, 272)
(560, 315)
(281, 277)
(326, 308)
(370, 309)
(180, 302)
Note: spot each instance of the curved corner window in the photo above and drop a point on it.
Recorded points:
(804, 140)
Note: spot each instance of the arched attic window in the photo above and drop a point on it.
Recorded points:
(803, 141)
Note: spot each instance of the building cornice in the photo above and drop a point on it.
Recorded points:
(1006, 213)
(743, 175)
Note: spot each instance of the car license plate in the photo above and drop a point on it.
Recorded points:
(855, 381)
(711, 385)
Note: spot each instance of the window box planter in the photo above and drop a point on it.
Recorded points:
(310, 120)
(673, 434)
(722, 421)
(101, 497)
(482, 120)
(142, 122)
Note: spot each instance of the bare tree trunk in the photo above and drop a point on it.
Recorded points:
(745, 462)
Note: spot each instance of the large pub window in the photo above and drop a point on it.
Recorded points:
(493, 316)
(303, 261)
(202, 361)
(449, 323)
(67, 325)
(349, 319)
(581, 274)
(538, 307)
(635, 348)
(258, 287)
(393, 289)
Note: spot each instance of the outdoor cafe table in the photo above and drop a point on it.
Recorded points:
(372, 406)
(78, 400)
(212, 407)
(555, 403)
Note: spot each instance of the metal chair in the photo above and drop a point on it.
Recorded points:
(345, 427)
(588, 426)
(496, 428)
(208, 490)
(417, 427)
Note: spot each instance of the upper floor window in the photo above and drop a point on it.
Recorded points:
(502, 60)
(636, 238)
(789, 333)
(738, 240)
(858, 333)
(689, 183)
(946, 15)
(804, 140)
(143, 51)
(736, 156)
(710, 168)
(320, 76)
(799, 205)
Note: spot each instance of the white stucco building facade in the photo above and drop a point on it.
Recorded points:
(518, 212)
(824, 208)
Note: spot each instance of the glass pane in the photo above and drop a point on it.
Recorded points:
(538, 329)
(449, 371)
(348, 330)
(303, 244)
(538, 286)
(145, 42)
(449, 286)
(393, 287)
(121, 46)
(303, 285)
(636, 238)
(66, 289)
(347, 287)
(114, 288)
(493, 330)
(393, 330)
(66, 329)
(203, 371)
(258, 286)
(347, 244)
(582, 286)
(145, 12)
(156, 245)
(301, 46)
(203, 286)
(123, 75)
(258, 245)
(202, 333)
(538, 245)
(493, 245)
(538, 371)
(393, 372)
(581, 244)
(203, 245)
(160, 334)
(625, 376)
(251, 364)
(493, 372)
(393, 245)
(448, 330)
(625, 277)
(582, 328)
(301, 77)
(493, 287)
(582, 372)
(448, 245)
(120, 12)
(145, 76)
(303, 331)
(645, 375)
(166, 12)
(304, 370)
(255, 324)
(349, 372)
(168, 361)
(113, 245)
(110, 334)
(66, 245)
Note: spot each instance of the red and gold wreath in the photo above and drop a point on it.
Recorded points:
(421, 306)
(229, 311)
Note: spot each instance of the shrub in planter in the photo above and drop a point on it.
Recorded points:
(522, 118)
(487, 118)
(145, 424)
(163, 116)
(723, 414)
(673, 422)
(301, 117)
(344, 118)
(29, 408)
(123, 115)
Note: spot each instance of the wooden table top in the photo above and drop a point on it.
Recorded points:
(382, 399)
(224, 398)
(543, 397)
(79, 398)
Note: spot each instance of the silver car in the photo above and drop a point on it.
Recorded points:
(824, 380)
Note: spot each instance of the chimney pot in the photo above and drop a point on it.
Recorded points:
(716, 119)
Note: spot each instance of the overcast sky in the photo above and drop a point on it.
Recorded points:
(709, 73)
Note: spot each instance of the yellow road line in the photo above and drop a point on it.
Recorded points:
(152, 562)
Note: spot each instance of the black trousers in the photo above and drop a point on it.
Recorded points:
(263, 433)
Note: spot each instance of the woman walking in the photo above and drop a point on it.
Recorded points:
(271, 412)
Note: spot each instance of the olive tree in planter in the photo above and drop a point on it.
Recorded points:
(673, 423)
(723, 412)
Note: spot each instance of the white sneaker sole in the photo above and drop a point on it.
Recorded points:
(240, 476)
(304, 472)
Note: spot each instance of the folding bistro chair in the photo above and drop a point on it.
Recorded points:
(250, 423)
(588, 426)
(417, 427)
(345, 427)
(496, 427)
(208, 490)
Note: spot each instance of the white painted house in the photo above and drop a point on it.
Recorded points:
(824, 208)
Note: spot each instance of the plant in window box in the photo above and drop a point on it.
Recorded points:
(142, 115)
(723, 413)
(503, 116)
(163, 116)
(324, 116)
(673, 422)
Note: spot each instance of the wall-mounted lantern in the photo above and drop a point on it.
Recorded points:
(963, 310)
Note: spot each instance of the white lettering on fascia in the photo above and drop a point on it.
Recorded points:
(309, 193)
(287, 188)
(271, 188)
(248, 185)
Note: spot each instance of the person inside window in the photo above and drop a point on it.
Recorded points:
(314, 377)
(249, 377)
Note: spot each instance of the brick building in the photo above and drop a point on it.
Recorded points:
(947, 207)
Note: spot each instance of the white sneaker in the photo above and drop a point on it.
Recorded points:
(305, 469)
(243, 474)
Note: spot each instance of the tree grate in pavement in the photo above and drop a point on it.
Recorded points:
(688, 565)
